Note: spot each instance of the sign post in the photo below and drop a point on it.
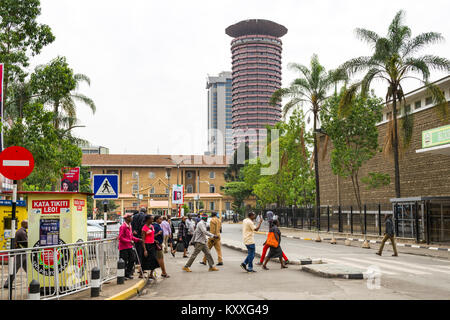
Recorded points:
(16, 163)
(106, 186)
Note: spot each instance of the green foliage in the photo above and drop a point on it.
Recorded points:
(185, 208)
(111, 206)
(21, 36)
(232, 171)
(376, 180)
(354, 137)
(239, 191)
(51, 152)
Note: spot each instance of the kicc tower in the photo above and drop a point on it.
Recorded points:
(256, 74)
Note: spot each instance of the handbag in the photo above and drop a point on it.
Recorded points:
(272, 240)
(180, 246)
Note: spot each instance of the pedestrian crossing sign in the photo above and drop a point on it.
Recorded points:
(106, 186)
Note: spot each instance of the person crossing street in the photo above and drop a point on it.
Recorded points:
(214, 227)
(248, 230)
(389, 234)
(199, 240)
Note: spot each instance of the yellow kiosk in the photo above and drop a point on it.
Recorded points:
(5, 220)
(57, 218)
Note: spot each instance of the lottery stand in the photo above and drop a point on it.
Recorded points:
(55, 219)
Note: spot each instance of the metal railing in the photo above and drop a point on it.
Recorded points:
(61, 270)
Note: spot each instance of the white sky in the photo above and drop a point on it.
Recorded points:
(148, 60)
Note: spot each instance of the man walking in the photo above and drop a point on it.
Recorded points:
(167, 232)
(389, 234)
(214, 227)
(199, 241)
(137, 224)
(20, 260)
(248, 230)
(126, 241)
(190, 224)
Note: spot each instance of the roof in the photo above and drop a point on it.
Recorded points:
(153, 160)
(256, 26)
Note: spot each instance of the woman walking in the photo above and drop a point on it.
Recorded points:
(159, 239)
(275, 252)
(149, 261)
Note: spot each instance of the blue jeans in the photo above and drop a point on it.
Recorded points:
(250, 256)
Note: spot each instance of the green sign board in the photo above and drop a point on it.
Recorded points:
(435, 137)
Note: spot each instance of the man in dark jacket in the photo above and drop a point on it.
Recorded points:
(136, 225)
(182, 237)
(20, 242)
(389, 234)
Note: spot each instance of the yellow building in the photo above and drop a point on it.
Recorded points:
(144, 180)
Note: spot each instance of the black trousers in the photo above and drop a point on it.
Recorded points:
(128, 256)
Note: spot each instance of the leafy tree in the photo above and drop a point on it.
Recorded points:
(354, 137)
(376, 180)
(51, 152)
(54, 84)
(232, 172)
(310, 89)
(239, 191)
(394, 60)
(20, 36)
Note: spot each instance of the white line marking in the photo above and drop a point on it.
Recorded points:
(405, 268)
(16, 163)
(423, 267)
(356, 265)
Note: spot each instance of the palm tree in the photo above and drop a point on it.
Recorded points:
(393, 60)
(67, 104)
(310, 89)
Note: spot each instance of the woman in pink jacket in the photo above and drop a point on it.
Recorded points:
(126, 241)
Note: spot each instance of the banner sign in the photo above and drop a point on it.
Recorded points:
(177, 194)
(51, 206)
(79, 204)
(436, 137)
(70, 180)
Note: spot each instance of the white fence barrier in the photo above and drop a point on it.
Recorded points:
(60, 270)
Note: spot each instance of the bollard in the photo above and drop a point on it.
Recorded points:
(34, 290)
(120, 271)
(95, 282)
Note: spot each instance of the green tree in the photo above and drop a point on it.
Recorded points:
(51, 152)
(232, 171)
(239, 191)
(20, 36)
(394, 60)
(354, 137)
(310, 89)
(54, 84)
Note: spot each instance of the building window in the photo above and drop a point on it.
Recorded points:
(212, 175)
(189, 188)
(112, 171)
(152, 190)
(151, 175)
(135, 188)
(407, 109)
(135, 175)
(227, 205)
(191, 206)
(167, 190)
(428, 100)
(418, 104)
(388, 115)
(189, 175)
(135, 204)
(212, 188)
(211, 206)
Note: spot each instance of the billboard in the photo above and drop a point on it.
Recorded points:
(177, 194)
(70, 180)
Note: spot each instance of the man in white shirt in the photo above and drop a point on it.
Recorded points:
(248, 231)
(190, 224)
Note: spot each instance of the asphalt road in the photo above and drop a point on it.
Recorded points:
(405, 277)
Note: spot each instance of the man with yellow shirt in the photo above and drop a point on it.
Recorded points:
(248, 231)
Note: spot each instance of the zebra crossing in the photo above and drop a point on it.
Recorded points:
(390, 266)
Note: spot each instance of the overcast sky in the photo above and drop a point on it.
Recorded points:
(148, 60)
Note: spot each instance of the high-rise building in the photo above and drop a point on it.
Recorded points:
(256, 74)
(220, 138)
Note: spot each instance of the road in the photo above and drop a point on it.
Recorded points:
(405, 277)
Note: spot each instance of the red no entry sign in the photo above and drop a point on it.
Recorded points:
(16, 163)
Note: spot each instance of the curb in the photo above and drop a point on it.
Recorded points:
(130, 292)
(406, 245)
(352, 276)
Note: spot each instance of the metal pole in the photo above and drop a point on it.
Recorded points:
(379, 219)
(351, 219)
(416, 217)
(328, 218)
(105, 218)
(365, 219)
(12, 258)
(339, 218)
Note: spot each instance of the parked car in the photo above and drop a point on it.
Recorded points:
(96, 229)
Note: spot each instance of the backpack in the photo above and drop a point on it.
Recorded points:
(272, 240)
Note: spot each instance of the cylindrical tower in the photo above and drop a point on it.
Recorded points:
(256, 74)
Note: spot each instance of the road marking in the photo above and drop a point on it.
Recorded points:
(16, 163)
(423, 267)
(406, 268)
(356, 265)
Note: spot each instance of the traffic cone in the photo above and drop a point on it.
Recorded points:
(365, 243)
(348, 242)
